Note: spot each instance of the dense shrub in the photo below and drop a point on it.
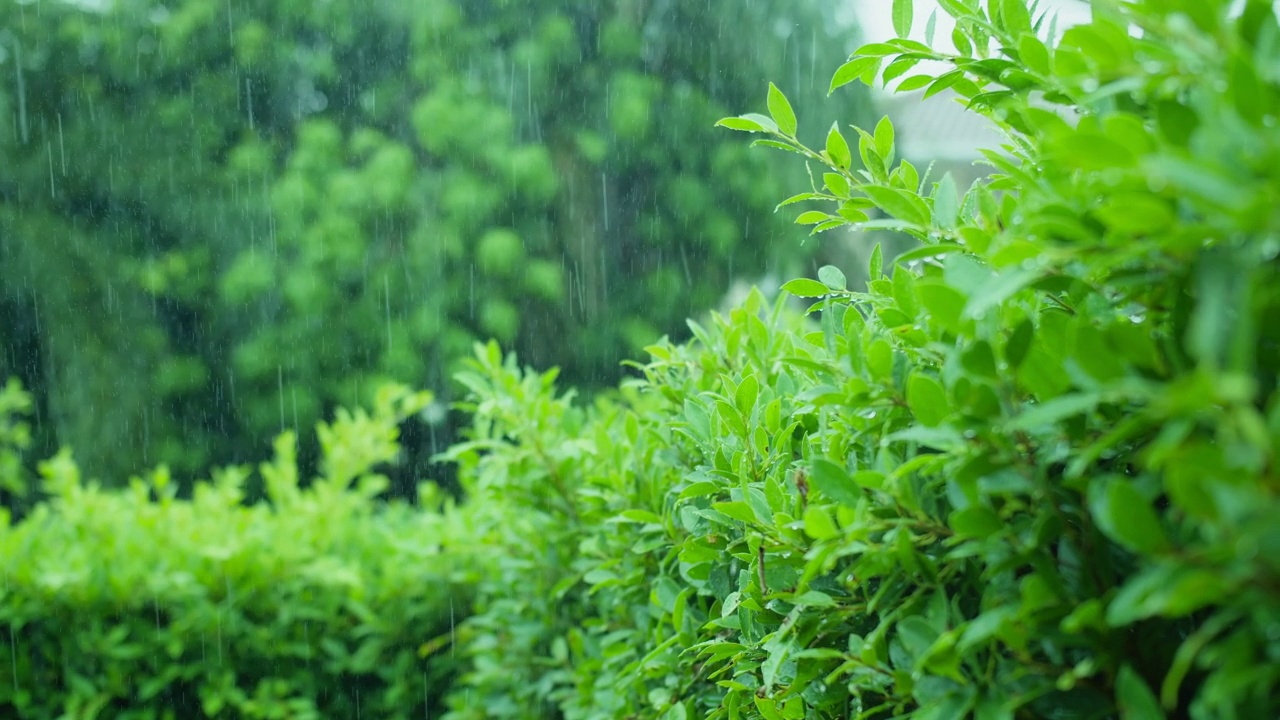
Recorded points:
(1029, 472)
(194, 191)
(315, 604)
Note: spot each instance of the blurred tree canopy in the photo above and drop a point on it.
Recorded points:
(218, 220)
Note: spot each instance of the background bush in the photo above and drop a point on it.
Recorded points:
(1029, 472)
(314, 604)
(217, 222)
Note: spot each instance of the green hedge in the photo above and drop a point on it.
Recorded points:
(193, 192)
(317, 603)
(1029, 472)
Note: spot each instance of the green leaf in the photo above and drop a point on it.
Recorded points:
(946, 203)
(869, 479)
(978, 359)
(915, 82)
(838, 184)
(768, 708)
(850, 211)
(829, 225)
(958, 38)
(1053, 412)
(852, 70)
(1019, 343)
(838, 148)
(1015, 17)
(730, 416)
(1135, 699)
(818, 523)
(975, 522)
(943, 304)
(999, 289)
(875, 268)
(815, 598)
(942, 82)
(1034, 54)
(831, 276)
(736, 510)
(898, 67)
(1167, 589)
(806, 288)
(742, 123)
(878, 49)
(930, 27)
(902, 11)
(781, 111)
(900, 204)
(880, 358)
(745, 397)
(833, 481)
(777, 146)
(812, 217)
(917, 635)
(1135, 213)
(1125, 516)
(1089, 151)
(884, 139)
(800, 198)
(928, 400)
(904, 291)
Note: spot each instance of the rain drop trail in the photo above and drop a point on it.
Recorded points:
(22, 91)
(248, 93)
(604, 197)
(386, 291)
(13, 653)
(53, 191)
(62, 146)
(280, 388)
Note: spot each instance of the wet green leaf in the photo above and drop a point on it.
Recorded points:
(781, 112)
(1126, 516)
(902, 10)
(805, 287)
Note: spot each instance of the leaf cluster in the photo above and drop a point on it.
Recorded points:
(1029, 471)
(315, 603)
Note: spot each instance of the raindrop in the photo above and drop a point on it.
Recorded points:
(62, 147)
(248, 93)
(53, 191)
(24, 127)
(604, 195)
(13, 654)
(280, 392)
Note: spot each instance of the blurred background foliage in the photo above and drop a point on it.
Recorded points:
(220, 220)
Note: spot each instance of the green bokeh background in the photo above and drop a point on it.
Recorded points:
(219, 220)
